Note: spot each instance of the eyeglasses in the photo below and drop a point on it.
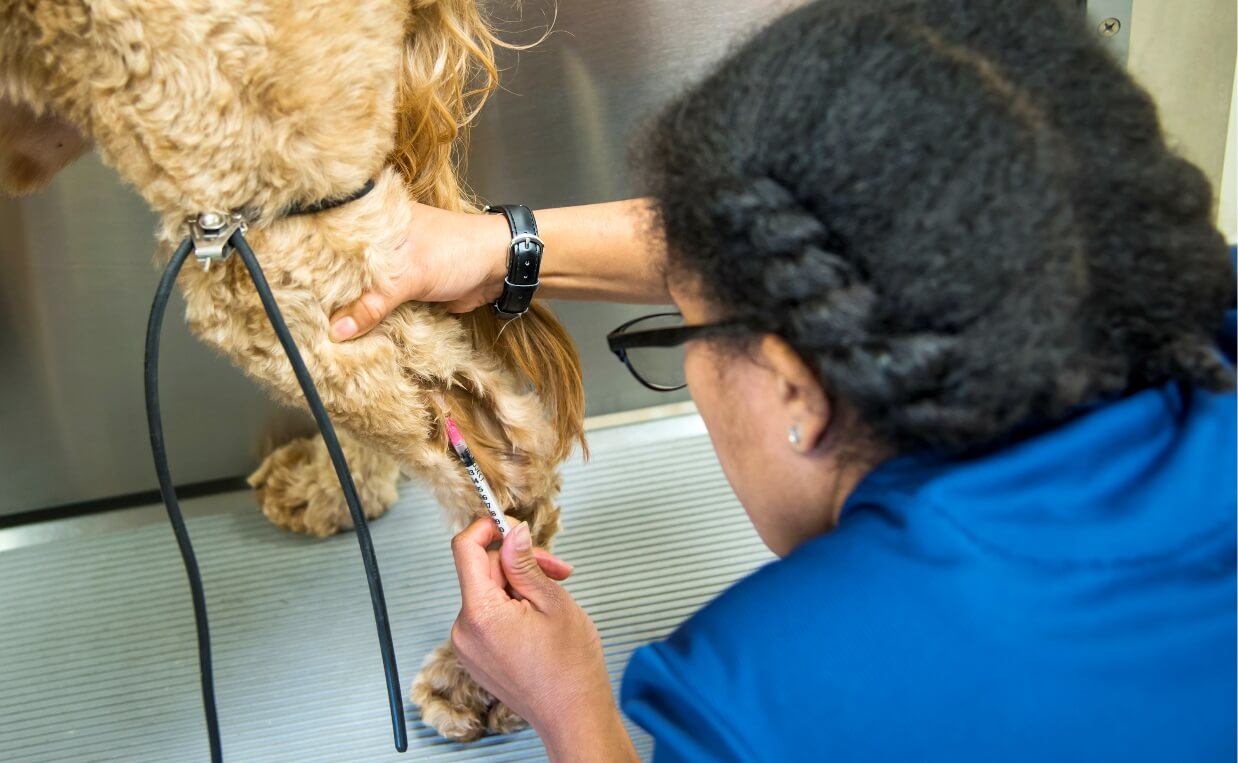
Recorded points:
(652, 347)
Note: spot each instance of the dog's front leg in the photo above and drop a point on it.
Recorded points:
(449, 699)
(297, 487)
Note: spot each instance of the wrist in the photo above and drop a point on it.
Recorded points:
(524, 260)
(493, 241)
(592, 733)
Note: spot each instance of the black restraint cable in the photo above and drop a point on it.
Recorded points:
(167, 489)
(154, 421)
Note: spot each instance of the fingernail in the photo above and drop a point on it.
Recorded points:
(521, 537)
(343, 329)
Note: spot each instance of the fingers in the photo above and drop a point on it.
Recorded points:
(496, 569)
(361, 316)
(482, 572)
(523, 571)
(472, 563)
(554, 567)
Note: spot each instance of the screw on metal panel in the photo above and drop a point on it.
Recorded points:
(211, 220)
(1109, 27)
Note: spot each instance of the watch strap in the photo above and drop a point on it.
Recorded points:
(524, 260)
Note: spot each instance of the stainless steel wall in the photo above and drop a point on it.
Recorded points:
(559, 133)
(76, 278)
(76, 275)
(75, 260)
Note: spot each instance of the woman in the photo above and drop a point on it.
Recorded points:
(955, 308)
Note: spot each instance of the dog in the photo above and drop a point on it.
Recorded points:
(219, 105)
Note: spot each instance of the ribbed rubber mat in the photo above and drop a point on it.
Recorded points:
(97, 651)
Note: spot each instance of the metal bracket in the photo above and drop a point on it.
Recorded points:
(210, 232)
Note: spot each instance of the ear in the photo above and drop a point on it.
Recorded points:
(34, 148)
(804, 404)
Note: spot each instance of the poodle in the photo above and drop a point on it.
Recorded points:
(262, 105)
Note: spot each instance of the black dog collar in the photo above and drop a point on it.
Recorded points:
(211, 232)
(524, 260)
(324, 204)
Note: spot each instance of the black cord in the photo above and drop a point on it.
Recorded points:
(368, 558)
(155, 422)
(386, 647)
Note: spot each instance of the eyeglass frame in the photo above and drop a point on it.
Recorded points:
(621, 340)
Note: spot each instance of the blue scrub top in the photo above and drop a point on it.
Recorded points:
(1067, 598)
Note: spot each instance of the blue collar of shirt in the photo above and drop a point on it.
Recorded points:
(1131, 480)
(1135, 479)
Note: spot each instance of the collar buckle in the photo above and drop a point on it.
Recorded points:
(211, 232)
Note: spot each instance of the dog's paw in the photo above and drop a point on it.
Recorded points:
(503, 720)
(454, 705)
(297, 488)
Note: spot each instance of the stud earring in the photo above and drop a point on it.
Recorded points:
(793, 434)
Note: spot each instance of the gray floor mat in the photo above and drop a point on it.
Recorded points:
(97, 654)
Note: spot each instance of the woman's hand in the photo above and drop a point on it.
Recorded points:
(452, 257)
(539, 653)
(597, 251)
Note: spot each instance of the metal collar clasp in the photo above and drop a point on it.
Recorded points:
(211, 232)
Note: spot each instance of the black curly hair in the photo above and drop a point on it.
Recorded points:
(961, 213)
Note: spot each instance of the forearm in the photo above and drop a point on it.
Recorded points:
(598, 737)
(608, 252)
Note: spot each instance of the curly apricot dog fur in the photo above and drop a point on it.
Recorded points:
(219, 105)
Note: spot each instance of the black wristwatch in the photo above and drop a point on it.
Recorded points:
(524, 260)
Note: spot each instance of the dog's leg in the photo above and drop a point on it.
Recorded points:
(454, 705)
(450, 700)
(297, 488)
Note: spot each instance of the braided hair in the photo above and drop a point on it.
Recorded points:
(962, 214)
